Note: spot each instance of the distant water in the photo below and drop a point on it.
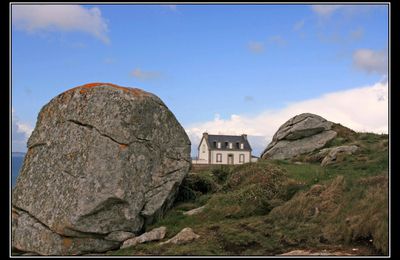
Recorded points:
(16, 164)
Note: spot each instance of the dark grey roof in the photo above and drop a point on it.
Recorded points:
(230, 139)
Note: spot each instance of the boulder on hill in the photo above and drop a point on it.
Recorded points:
(101, 159)
(336, 154)
(301, 134)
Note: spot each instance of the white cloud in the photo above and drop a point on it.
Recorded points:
(20, 133)
(345, 11)
(109, 60)
(248, 98)
(361, 109)
(278, 40)
(36, 18)
(299, 25)
(371, 61)
(357, 34)
(24, 128)
(171, 7)
(145, 75)
(325, 10)
(338, 38)
(256, 47)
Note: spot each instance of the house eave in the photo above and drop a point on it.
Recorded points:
(232, 150)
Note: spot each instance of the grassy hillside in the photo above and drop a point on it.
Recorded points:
(272, 207)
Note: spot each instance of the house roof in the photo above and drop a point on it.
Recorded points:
(230, 139)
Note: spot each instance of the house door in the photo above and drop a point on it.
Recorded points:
(230, 158)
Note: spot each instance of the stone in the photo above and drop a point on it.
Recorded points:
(155, 234)
(29, 254)
(194, 211)
(186, 235)
(315, 253)
(102, 158)
(301, 134)
(119, 236)
(336, 154)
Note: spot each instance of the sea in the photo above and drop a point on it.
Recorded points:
(17, 160)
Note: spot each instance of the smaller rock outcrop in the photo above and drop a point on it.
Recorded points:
(301, 134)
(336, 154)
(155, 234)
(185, 236)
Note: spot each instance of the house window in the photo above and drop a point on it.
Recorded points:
(219, 145)
(230, 145)
(219, 157)
(241, 146)
(237, 145)
(226, 144)
(214, 144)
(204, 148)
(241, 158)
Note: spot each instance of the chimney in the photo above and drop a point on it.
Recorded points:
(244, 136)
(205, 135)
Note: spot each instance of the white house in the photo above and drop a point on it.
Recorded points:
(223, 149)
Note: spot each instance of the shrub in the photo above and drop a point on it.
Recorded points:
(221, 173)
(251, 189)
(195, 185)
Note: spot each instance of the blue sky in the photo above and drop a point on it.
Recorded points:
(220, 68)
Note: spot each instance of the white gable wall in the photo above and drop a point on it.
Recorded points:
(203, 152)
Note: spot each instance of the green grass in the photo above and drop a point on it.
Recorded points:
(271, 207)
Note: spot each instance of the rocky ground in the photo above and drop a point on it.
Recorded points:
(320, 189)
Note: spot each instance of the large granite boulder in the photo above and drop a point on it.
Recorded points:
(101, 159)
(301, 134)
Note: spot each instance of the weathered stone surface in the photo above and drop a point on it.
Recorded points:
(155, 234)
(336, 154)
(301, 134)
(30, 235)
(186, 235)
(119, 236)
(102, 158)
(194, 211)
(302, 125)
(285, 149)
